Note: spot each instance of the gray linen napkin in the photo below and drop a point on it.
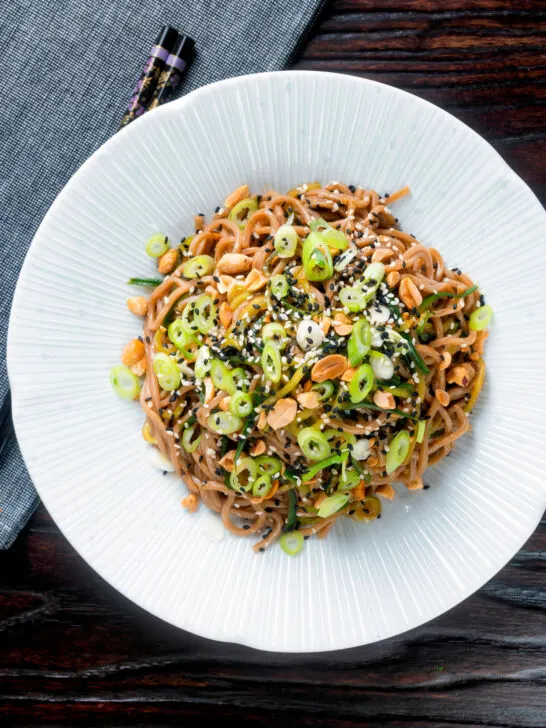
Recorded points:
(68, 70)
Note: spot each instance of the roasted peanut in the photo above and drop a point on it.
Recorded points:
(233, 264)
(226, 314)
(385, 400)
(283, 413)
(392, 278)
(255, 280)
(236, 196)
(167, 262)
(442, 396)
(461, 375)
(308, 400)
(138, 305)
(133, 352)
(331, 367)
(409, 293)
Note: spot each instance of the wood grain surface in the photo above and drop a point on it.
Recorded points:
(74, 652)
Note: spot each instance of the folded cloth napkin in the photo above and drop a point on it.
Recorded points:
(68, 70)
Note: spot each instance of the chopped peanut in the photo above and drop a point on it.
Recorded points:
(191, 502)
(325, 324)
(409, 293)
(385, 400)
(233, 263)
(446, 360)
(167, 262)
(348, 374)
(461, 375)
(138, 305)
(416, 484)
(255, 280)
(283, 413)
(393, 278)
(385, 490)
(442, 396)
(210, 390)
(228, 461)
(381, 254)
(308, 400)
(237, 196)
(262, 420)
(133, 352)
(224, 403)
(257, 449)
(226, 314)
(140, 367)
(330, 367)
(342, 324)
(225, 283)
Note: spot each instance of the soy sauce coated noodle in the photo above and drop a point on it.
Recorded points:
(437, 375)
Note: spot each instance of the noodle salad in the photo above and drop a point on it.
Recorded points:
(300, 355)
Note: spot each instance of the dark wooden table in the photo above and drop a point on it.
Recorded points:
(73, 651)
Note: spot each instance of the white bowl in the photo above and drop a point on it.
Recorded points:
(83, 447)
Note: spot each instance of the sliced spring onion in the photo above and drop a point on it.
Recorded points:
(331, 236)
(382, 365)
(316, 258)
(202, 362)
(188, 444)
(374, 273)
(429, 300)
(361, 383)
(313, 444)
(243, 475)
(279, 286)
(401, 389)
(348, 480)
(167, 372)
(359, 342)
(286, 241)
(268, 465)
(238, 379)
(352, 298)
(241, 404)
(423, 321)
(345, 258)
(157, 245)
(291, 543)
(271, 362)
(242, 210)
(205, 313)
(224, 423)
(371, 280)
(262, 486)
(421, 426)
(310, 473)
(480, 318)
(221, 376)
(399, 448)
(198, 267)
(291, 515)
(332, 504)
(151, 282)
(179, 336)
(323, 389)
(414, 354)
(125, 384)
(276, 333)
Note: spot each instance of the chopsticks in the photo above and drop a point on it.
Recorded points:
(168, 60)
